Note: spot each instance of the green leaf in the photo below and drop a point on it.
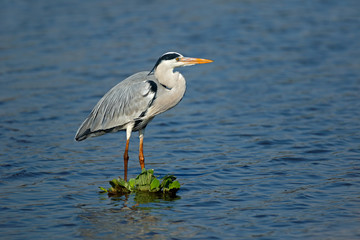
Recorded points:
(132, 184)
(155, 185)
(174, 185)
(143, 188)
(113, 183)
(145, 182)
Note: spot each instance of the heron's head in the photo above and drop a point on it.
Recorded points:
(171, 60)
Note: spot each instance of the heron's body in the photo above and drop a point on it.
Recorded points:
(134, 102)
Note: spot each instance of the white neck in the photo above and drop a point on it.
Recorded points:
(175, 88)
(166, 76)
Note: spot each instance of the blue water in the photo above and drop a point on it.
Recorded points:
(265, 143)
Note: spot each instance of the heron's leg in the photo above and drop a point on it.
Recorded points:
(126, 159)
(141, 153)
(126, 155)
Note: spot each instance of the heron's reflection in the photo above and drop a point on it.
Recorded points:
(133, 213)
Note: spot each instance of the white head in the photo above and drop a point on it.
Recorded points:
(171, 60)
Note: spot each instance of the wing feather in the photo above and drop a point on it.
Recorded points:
(121, 105)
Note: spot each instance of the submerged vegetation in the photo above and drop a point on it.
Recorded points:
(144, 182)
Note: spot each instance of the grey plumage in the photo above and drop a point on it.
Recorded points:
(126, 102)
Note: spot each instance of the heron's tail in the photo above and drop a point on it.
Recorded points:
(83, 132)
(91, 128)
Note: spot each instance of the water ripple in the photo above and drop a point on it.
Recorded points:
(265, 142)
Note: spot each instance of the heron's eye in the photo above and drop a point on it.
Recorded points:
(177, 59)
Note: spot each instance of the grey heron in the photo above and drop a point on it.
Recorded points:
(134, 102)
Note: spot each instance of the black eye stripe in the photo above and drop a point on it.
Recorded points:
(169, 56)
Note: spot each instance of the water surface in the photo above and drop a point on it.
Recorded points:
(265, 142)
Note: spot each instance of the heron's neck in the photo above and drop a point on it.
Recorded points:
(168, 78)
(176, 86)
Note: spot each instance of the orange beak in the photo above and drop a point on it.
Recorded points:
(191, 61)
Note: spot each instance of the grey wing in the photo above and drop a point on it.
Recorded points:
(123, 104)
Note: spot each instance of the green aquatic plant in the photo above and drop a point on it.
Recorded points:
(144, 182)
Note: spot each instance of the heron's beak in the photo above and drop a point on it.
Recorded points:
(191, 61)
